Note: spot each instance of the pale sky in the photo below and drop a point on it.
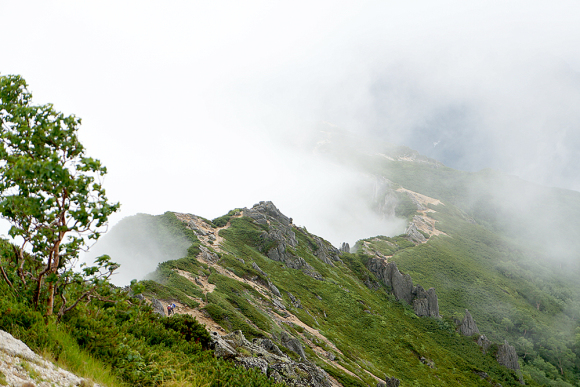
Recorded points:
(190, 103)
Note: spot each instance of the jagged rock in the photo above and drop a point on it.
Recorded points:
(373, 285)
(292, 344)
(413, 232)
(207, 255)
(326, 252)
(433, 303)
(264, 355)
(280, 230)
(253, 362)
(484, 343)
(257, 268)
(158, 307)
(345, 248)
(299, 375)
(274, 289)
(468, 326)
(425, 303)
(330, 356)
(222, 347)
(295, 301)
(268, 345)
(402, 286)
(507, 356)
(278, 304)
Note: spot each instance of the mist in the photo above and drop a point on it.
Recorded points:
(201, 108)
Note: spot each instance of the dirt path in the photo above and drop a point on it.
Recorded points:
(423, 222)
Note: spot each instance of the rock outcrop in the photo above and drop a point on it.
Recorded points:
(484, 343)
(158, 307)
(14, 353)
(326, 252)
(280, 237)
(292, 344)
(345, 248)
(389, 382)
(507, 356)
(468, 326)
(265, 355)
(424, 302)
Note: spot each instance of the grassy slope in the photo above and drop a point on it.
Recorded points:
(390, 340)
(511, 282)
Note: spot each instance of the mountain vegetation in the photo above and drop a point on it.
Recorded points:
(251, 299)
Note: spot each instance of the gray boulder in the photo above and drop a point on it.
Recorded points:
(265, 356)
(158, 307)
(468, 326)
(292, 344)
(257, 268)
(274, 289)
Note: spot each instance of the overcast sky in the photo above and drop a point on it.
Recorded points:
(189, 103)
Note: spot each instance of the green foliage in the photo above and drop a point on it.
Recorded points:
(224, 219)
(51, 194)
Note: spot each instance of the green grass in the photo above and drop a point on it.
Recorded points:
(390, 338)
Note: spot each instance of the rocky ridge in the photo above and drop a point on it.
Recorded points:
(279, 235)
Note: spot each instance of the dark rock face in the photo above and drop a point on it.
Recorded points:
(264, 355)
(425, 303)
(280, 231)
(468, 326)
(507, 356)
(345, 248)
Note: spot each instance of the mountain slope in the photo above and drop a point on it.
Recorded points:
(347, 321)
